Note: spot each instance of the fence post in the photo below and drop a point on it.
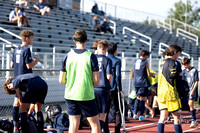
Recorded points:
(198, 73)
(123, 65)
(45, 66)
(8, 65)
(3, 56)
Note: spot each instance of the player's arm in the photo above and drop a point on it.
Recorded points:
(30, 63)
(62, 77)
(12, 64)
(36, 7)
(118, 76)
(148, 71)
(109, 71)
(194, 88)
(33, 63)
(95, 78)
(19, 95)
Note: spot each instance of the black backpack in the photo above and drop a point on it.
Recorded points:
(6, 125)
(52, 112)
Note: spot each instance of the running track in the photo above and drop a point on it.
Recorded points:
(150, 126)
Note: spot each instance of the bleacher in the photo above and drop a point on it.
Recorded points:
(57, 29)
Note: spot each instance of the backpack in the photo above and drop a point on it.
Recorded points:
(6, 125)
(52, 112)
(61, 122)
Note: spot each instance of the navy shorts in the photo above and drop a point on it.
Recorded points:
(131, 103)
(87, 108)
(195, 96)
(36, 91)
(142, 91)
(102, 99)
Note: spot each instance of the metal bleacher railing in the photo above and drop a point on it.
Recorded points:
(187, 35)
(164, 25)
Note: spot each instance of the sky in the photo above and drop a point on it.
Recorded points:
(158, 7)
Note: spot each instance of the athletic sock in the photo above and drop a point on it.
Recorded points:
(193, 115)
(136, 106)
(161, 127)
(15, 115)
(40, 122)
(101, 124)
(24, 128)
(178, 128)
(142, 107)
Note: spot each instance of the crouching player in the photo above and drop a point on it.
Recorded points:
(168, 97)
(190, 74)
(105, 78)
(35, 91)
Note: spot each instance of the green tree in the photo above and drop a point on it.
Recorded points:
(179, 12)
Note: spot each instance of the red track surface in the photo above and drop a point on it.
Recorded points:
(150, 126)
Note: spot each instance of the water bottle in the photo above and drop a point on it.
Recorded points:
(35, 55)
(129, 113)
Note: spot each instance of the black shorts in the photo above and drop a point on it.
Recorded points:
(36, 91)
(142, 91)
(195, 96)
(102, 99)
(87, 108)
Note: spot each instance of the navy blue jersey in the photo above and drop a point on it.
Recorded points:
(105, 68)
(116, 73)
(93, 58)
(22, 81)
(140, 73)
(178, 66)
(191, 76)
(21, 57)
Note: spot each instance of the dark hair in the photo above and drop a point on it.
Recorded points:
(164, 54)
(6, 89)
(80, 36)
(102, 44)
(173, 49)
(95, 43)
(112, 47)
(22, 9)
(26, 33)
(144, 53)
(185, 61)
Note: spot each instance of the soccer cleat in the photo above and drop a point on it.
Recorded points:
(142, 118)
(194, 124)
(135, 117)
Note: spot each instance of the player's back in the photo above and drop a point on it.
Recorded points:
(105, 67)
(21, 57)
(140, 73)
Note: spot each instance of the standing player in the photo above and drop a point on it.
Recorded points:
(190, 74)
(35, 90)
(95, 43)
(22, 62)
(141, 83)
(168, 97)
(115, 84)
(105, 76)
(80, 72)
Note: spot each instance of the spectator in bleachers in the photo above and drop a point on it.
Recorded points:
(105, 26)
(96, 24)
(23, 3)
(42, 7)
(23, 16)
(14, 17)
(96, 10)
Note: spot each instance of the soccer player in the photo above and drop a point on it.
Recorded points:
(115, 84)
(168, 97)
(80, 72)
(22, 62)
(105, 76)
(35, 90)
(190, 74)
(141, 83)
(95, 43)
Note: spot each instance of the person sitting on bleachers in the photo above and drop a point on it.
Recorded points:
(23, 3)
(23, 16)
(13, 16)
(42, 7)
(105, 26)
(96, 24)
(96, 10)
